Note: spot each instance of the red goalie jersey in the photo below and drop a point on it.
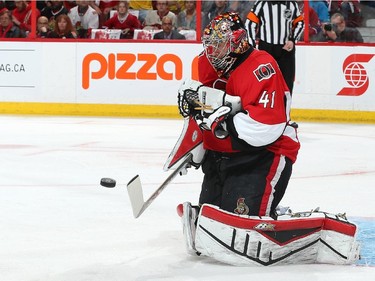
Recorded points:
(266, 101)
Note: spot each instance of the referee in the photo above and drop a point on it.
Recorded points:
(277, 25)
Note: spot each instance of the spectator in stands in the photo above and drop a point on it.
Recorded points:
(321, 9)
(84, 18)
(154, 17)
(42, 27)
(10, 5)
(53, 10)
(176, 6)
(218, 7)
(103, 8)
(337, 31)
(123, 20)
(241, 7)
(143, 7)
(63, 28)
(21, 15)
(168, 32)
(351, 11)
(187, 18)
(206, 5)
(40, 5)
(7, 28)
(370, 3)
(69, 4)
(314, 23)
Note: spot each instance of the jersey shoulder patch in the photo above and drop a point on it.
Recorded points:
(264, 71)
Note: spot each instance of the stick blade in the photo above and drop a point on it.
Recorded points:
(136, 196)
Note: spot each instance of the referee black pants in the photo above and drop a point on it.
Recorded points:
(286, 61)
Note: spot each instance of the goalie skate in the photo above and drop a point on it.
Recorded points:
(189, 214)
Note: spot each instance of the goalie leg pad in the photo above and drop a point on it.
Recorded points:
(241, 240)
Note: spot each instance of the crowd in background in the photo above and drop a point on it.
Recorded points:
(76, 19)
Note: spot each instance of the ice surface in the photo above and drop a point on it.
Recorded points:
(58, 223)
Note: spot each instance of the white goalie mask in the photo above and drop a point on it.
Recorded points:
(224, 39)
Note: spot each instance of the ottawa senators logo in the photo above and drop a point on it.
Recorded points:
(242, 208)
(264, 71)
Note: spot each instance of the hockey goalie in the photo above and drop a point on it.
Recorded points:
(237, 130)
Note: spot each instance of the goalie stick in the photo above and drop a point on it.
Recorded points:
(135, 188)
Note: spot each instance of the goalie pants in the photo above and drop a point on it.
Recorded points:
(248, 183)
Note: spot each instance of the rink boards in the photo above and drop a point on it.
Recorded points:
(333, 83)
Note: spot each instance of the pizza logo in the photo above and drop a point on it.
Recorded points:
(355, 75)
(264, 71)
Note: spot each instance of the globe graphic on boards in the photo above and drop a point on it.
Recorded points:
(355, 74)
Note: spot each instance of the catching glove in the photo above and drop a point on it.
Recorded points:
(194, 98)
(188, 97)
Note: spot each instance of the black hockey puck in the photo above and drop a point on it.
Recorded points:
(107, 182)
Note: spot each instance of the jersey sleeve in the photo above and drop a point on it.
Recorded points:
(253, 21)
(265, 101)
(297, 24)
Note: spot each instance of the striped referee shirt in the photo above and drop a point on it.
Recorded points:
(274, 22)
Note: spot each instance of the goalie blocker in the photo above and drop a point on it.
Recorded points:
(294, 238)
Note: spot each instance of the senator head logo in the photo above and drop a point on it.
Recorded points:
(355, 75)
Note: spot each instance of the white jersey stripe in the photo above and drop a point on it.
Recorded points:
(274, 181)
(256, 133)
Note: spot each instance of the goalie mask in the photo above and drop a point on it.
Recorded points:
(224, 40)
